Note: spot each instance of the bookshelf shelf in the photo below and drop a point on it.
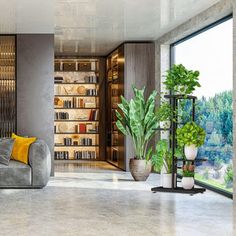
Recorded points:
(76, 146)
(77, 71)
(74, 95)
(76, 120)
(79, 108)
(69, 131)
(78, 133)
(75, 83)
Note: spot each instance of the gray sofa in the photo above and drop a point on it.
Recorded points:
(34, 175)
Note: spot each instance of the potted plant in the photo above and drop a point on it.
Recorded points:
(191, 136)
(181, 81)
(165, 114)
(162, 162)
(188, 176)
(229, 176)
(139, 119)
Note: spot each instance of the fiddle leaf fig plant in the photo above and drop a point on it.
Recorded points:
(191, 133)
(181, 80)
(138, 118)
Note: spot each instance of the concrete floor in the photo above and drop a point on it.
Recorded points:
(102, 202)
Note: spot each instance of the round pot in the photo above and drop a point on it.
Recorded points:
(190, 152)
(140, 169)
(187, 182)
(167, 180)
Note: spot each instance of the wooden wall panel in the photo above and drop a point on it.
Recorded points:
(139, 71)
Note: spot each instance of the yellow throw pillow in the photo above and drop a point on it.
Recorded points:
(21, 148)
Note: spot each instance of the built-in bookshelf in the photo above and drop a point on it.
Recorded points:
(115, 88)
(77, 109)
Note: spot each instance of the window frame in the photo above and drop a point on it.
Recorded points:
(172, 56)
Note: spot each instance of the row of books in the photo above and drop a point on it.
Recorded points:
(92, 79)
(91, 92)
(86, 128)
(68, 142)
(86, 141)
(94, 114)
(78, 155)
(81, 103)
(82, 128)
(61, 116)
(85, 155)
(61, 155)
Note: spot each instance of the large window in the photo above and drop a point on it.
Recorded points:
(211, 52)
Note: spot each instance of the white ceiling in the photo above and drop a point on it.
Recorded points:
(95, 27)
(27, 16)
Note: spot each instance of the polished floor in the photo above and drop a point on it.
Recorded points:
(89, 200)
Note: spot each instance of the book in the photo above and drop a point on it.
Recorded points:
(82, 128)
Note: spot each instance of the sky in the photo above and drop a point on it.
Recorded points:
(211, 53)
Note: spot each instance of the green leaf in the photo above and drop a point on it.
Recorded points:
(119, 116)
(121, 127)
(148, 155)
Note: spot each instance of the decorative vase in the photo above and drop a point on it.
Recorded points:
(190, 152)
(140, 169)
(187, 182)
(167, 180)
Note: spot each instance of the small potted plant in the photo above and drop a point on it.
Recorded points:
(191, 136)
(165, 114)
(181, 81)
(188, 176)
(138, 119)
(162, 162)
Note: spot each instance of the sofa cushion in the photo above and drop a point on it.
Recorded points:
(16, 174)
(21, 148)
(6, 146)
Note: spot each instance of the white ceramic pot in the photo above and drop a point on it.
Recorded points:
(187, 182)
(190, 152)
(167, 180)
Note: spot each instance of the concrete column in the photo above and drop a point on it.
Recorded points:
(35, 87)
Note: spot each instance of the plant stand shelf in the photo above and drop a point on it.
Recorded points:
(178, 190)
(174, 99)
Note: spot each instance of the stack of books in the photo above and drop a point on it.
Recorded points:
(58, 80)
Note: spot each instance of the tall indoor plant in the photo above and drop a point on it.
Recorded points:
(180, 80)
(138, 119)
(191, 136)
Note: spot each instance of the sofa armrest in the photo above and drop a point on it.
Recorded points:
(40, 162)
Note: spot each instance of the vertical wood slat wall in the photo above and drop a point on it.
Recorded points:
(7, 86)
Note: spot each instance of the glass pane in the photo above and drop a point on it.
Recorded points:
(211, 53)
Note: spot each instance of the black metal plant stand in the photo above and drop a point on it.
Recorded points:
(174, 99)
